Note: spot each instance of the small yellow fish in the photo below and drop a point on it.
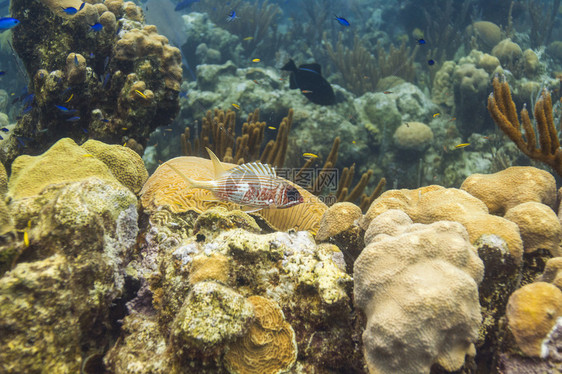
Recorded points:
(168, 130)
(124, 128)
(272, 128)
(248, 38)
(353, 142)
(88, 155)
(236, 106)
(436, 114)
(462, 145)
(256, 60)
(70, 98)
(312, 155)
(26, 238)
(141, 94)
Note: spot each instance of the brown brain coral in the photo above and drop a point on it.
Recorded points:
(269, 346)
(165, 187)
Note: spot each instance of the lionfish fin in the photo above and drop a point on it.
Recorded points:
(254, 168)
(217, 166)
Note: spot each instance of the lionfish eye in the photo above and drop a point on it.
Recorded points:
(293, 194)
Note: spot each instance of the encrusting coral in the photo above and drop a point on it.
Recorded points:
(418, 287)
(503, 112)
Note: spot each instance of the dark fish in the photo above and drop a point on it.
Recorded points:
(342, 21)
(431, 62)
(421, 41)
(184, 4)
(70, 10)
(308, 78)
(96, 26)
(7, 23)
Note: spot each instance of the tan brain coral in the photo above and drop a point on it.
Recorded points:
(165, 187)
(510, 187)
(269, 346)
(435, 203)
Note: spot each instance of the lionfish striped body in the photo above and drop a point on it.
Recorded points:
(254, 185)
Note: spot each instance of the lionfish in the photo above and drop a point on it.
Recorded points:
(253, 184)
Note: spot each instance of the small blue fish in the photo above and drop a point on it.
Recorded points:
(5, 129)
(2, 73)
(231, 16)
(26, 110)
(1, 138)
(431, 62)
(105, 120)
(421, 41)
(28, 99)
(96, 26)
(81, 6)
(65, 109)
(75, 59)
(342, 21)
(73, 119)
(105, 63)
(105, 80)
(70, 10)
(184, 4)
(7, 23)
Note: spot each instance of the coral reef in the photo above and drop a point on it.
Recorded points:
(79, 74)
(417, 285)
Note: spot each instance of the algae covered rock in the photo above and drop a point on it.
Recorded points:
(58, 294)
(227, 298)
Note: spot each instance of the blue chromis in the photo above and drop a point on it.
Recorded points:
(70, 10)
(96, 26)
(7, 23)
(342, 21)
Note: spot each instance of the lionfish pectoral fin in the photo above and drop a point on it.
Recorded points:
(217, 166)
